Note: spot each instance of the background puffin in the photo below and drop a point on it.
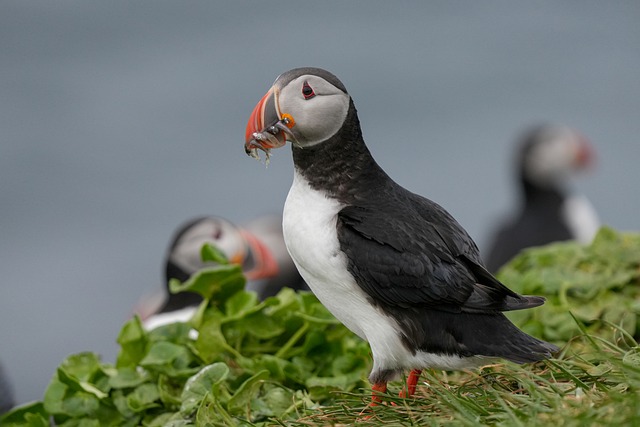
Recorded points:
(6, 392)
(548, 157)
(393, 266)
(258, 246)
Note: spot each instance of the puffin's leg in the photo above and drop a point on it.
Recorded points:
(412, 381)
(376, 390)
(376, 399)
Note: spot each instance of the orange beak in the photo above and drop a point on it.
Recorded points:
(585, 156)
(264, 128)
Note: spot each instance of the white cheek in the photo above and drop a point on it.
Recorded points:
(323, 119)
(550, 162)
(316, 119)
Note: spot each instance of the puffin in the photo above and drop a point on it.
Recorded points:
(394, 267)
(7, 400)
(258, 246)
(548, 159)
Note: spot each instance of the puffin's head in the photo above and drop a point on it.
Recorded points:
(236, 243)
(184, 250)
(305, 106)
(550, 154)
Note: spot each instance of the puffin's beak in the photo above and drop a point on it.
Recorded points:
(266, 129)
(585, 156)
(237, 258)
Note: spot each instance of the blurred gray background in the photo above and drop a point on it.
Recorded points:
(119, 120)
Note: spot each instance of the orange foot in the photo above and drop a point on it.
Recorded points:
(376, 391)
(412, 381)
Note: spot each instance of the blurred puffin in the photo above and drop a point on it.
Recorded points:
(6, 392)
(258, 246)
(394, 267)
(548, 158)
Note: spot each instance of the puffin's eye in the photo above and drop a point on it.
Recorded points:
(217, 234)
(307, 91)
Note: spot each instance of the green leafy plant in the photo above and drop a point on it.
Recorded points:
(286, 361)
(239, 361)
(599, 284)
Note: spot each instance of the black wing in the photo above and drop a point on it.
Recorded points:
(406, 250)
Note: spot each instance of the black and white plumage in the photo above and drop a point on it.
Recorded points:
(6, 392)
(548, 158)
(258, 246)
(393, 266)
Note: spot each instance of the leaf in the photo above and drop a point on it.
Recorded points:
(275, 365)
(211, 413)
(80, 404)
(177, 333)
(213, 283)
(31, 415)
(284, 303)
(83, 422)
(133, 341)
(262, 326)
(240, 304)
(162, 353)
(143, 397)
(206, 381)
(275, 402)
(120, 402)
(168, 358)
(127, 377)
(82, 366)
(211, 253)
(170, 390)
(168, 419)
(54, 396)
(211, 342)
(247, 391)
(70, 365)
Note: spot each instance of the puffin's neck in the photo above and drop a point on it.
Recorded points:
(342, 166)
(537, 195)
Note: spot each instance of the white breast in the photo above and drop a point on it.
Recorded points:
(581, 218)
(309, 229)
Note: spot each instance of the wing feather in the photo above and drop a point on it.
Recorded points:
(420, 256)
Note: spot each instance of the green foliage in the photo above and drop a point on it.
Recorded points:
(599, 284)
(286, 361)
(248, 362)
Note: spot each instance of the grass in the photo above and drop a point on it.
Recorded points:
(593, 381)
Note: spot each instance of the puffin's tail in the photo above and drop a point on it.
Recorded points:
(516, 345)
(485, 299)
(473, 334)
(489, 294)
